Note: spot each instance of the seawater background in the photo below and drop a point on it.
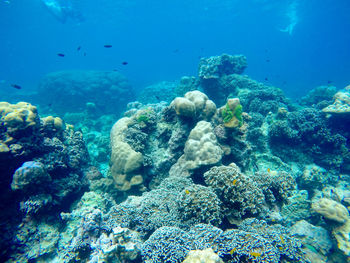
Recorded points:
(163, 40)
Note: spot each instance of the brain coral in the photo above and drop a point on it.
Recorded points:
(202, 147)
(124, 161)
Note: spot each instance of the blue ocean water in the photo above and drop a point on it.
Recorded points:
(163, 40)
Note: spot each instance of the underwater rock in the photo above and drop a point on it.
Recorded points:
(69, 91)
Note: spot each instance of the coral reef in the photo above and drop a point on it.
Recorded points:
(238, 192)
(194, 104)
(43, 171)
(217, 66)
(254, 241)
(124, 160)
(74, 91)
(175, 179)
(319, 97)
(201, 148)
(307, 129)
(341, 104)
(202, 256)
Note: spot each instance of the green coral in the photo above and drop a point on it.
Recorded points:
(227, 114)
(142, 118)
(238, 114)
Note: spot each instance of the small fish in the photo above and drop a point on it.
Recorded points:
(125, 63)
(84, 54)
(60, 55)
(16, 86)
(282, 239)
(268, 170)
(108, 46)
(157, 97)
(267, 60)
(255, 254)
(266, 79)
(234, 182)
(187, 192)
(176, 50)
(329, 82)
(233, 250)
(78, 48)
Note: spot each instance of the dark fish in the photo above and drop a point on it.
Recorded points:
(125, 63)
(16, 86)
(49, 105)
(107, 46)
(84, 54)
(60, 55)
(266, 79)
(157, 97)
(176, 50)
(329, 82)
(267, 60)
(78, 48)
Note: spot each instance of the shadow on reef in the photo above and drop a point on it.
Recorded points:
(218, 166)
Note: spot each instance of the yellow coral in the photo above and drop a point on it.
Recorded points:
(19, 116)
